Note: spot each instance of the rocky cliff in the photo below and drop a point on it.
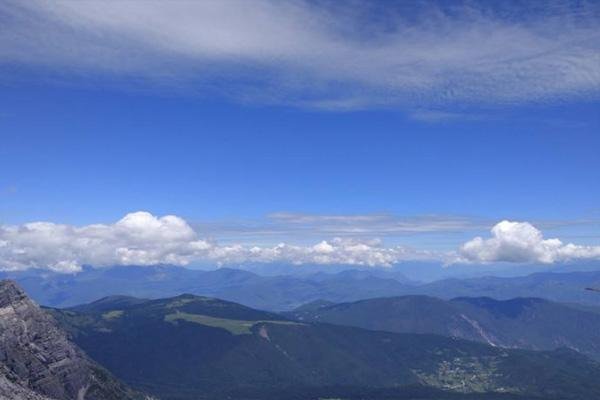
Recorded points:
(39, 362)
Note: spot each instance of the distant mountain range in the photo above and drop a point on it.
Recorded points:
(263, 292)
(527, 323)
(190, 347)
(286, 292)
(423, 271)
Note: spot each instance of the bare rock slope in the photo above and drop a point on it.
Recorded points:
(39, 362)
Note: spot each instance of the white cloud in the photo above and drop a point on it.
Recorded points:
(143, 239)
(522, 242)
(328, 55)
(139, 238)
(335, 251)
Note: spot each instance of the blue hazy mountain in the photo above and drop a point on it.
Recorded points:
(286, 292)
(282, 292)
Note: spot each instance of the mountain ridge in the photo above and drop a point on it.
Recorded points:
(229, 350)
(528, 323)
(39, 361)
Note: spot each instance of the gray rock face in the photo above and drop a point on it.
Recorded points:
(11, 390)
(38, 361)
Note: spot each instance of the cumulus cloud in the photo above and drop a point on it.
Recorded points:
(322, 54)
(141, 238)
(522, 242)
(138, 238)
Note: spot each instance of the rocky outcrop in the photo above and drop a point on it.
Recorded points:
(11, 390)
(38, 361)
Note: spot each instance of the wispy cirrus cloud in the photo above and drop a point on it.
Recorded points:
(327, 55)
(307, 227)
(377, 224)
(437, 116)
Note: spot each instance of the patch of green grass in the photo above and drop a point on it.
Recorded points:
(234, 326)
(112, 314)
(181, 302)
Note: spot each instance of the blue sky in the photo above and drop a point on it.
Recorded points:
(459, 116)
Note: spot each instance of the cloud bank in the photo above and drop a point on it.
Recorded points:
(141, 238)
(523, 243)
(334, 55)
